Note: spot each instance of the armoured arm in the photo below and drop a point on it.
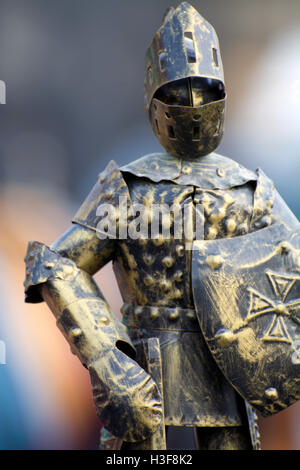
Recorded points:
(127, 400)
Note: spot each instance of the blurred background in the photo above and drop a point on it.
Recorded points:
(74, 73)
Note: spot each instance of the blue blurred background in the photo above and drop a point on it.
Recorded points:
(74, 72)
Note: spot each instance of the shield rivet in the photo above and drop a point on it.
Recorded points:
(224, 337)
(214, 262)
(284, 247)
(271, 394)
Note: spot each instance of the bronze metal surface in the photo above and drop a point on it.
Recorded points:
(202, 329)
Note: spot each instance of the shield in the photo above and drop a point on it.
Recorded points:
(247, 297)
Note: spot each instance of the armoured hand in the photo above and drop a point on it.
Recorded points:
(127, 400)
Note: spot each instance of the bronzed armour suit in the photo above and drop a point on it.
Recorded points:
(178, 292)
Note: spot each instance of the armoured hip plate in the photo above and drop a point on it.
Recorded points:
(247, 297)
(195, 391)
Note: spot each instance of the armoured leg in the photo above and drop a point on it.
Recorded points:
(227, 438)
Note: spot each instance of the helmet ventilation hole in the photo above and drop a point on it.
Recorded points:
(157, 127)
(196, 133)
(163, 58)
(171, 132)
(190, 47)
(215, 56)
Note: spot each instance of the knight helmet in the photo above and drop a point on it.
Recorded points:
(184, 84)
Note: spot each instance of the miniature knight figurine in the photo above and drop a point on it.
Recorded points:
(211, 313)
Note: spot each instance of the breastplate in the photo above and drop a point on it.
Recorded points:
(157, 272)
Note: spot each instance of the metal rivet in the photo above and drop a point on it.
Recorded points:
(108, 195)
(68, 270)
(148, 280)
(186, 169)
(174, 315)
(104, 320)
(154, 314)
(180, 250)
(266, 221)
(148, 260)
(158, 241)
(177, 294)
(224, 337)
(178, 276)
(271, 394)
(231, 225)
(75, 332)
(220, 172)
(192, 315)
(154, 166)
(242, 229)
(138, 311)
(166, 285)
(143, 241)
(214, 262)
(212, 233)
(49, 265)
(168, 261)
(284, 248)
(125, 309)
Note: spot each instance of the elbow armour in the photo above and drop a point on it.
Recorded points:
(82, 313)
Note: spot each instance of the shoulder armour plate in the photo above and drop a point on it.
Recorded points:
(108, 189)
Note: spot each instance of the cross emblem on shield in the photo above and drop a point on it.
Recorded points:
(259, 305)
